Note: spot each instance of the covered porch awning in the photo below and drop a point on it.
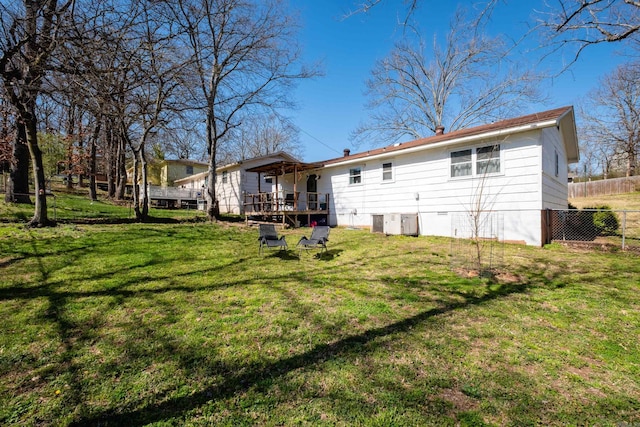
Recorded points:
(284, 167)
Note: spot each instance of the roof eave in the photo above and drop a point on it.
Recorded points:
(450, 142)
(567, 126)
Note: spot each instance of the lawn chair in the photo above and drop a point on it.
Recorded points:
(318, 240)
(269, 238)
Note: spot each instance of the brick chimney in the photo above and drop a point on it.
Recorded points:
(439, 130)
(347, 152)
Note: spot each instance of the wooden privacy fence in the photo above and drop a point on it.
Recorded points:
(604, 187)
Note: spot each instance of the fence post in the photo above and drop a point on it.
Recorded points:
(624, 228)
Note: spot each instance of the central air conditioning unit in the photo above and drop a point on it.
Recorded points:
(396, 224)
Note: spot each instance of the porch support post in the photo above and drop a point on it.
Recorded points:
(275, 203)
(295, 187)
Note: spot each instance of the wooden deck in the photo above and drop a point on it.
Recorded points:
(293, 208)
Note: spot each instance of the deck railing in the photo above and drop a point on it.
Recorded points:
(173, 193)
(286, 201)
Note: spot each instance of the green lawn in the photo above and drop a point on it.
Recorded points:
(185, 324)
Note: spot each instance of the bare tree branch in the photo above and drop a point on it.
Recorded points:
(611, 120)
(578, 24)
(246, 59)
(467, 81)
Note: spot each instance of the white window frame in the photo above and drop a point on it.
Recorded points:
(492, 158)
(355, 178)
(225, 177)
(476, 161)
(459, 154)
(388, 175)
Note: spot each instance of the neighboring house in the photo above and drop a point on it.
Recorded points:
(515, 168)
(174, 170)
(233, 181)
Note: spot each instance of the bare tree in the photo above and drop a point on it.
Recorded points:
(156, 70)
(185, 141)
(30, 31)
(578, 24)
(468, 81)
(245, 58)
(264, 135)
(612, 116)
(367, 5)
(106, 33)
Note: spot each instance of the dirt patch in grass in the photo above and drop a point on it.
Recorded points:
(459, 400)
(496, 276)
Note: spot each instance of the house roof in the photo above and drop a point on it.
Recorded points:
(284, 167)
(278, 154)
(184, 162)
(562, 117)
(288, 158)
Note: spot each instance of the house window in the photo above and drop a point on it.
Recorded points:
(460, 163)
(189, 170)
(387, 171)
(488, 160)
(355, 176)
(225, 177)
(557, 163)
(268, 180)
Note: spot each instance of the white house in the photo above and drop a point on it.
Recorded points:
(233, 181)
(510, 171)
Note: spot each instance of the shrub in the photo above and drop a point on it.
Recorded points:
(605, 221)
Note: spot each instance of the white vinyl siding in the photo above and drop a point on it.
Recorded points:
(422, 183)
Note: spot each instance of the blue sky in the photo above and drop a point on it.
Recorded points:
(332, 106)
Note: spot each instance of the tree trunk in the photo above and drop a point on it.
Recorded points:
(631, 163)
(82, 169)
(17, 190)
(40, 218)
(140, 196)
(134, 181)
(71, 128)
(110, 162)
(144, 194)
(213, 209)
(121, 170)
(93, 191)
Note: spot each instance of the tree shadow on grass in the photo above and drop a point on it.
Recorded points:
(319, 255)
(260, 376)
(285, 255)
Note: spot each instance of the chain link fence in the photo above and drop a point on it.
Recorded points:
(603, 227)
